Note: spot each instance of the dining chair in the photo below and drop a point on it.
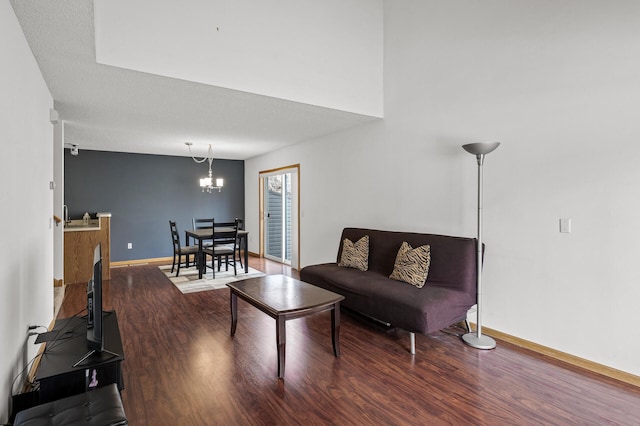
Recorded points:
(203, 224)
(179, 251)
(239, 223)
(225, 242)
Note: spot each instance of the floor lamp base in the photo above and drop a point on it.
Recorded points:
(478, 342)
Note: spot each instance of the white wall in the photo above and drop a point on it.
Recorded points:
(326, 53)
(558, 83)
(26, 247)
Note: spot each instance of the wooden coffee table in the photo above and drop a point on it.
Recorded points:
(284, 298)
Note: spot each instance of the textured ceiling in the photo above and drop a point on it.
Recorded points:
(114, 109)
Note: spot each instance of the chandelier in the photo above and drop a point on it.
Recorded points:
(206, 183)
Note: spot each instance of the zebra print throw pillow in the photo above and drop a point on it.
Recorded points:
(412, 264)
(355, 255)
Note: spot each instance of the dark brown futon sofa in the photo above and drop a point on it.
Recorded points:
(445, 298)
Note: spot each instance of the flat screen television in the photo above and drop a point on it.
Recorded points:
(95, 315)
(95, 332)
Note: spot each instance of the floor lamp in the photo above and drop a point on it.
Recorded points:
(477, 340)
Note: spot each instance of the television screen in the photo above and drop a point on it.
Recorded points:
(95, 339)
(95, 315)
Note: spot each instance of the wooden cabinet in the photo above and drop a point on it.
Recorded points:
(79, 243)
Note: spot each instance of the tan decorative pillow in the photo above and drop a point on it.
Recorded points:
(355, 255)
(412, 264)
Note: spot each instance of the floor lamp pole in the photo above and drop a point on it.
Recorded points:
(477, 340)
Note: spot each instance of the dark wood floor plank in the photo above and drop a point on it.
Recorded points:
(183, 368)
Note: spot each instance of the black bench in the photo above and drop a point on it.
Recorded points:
(99, 407)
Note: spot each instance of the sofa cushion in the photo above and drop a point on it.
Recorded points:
(453, 259)
(424, 310)
(355, 255)
(412, 264)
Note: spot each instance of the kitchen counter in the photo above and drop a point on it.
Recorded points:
(80, 239)
(80, 225)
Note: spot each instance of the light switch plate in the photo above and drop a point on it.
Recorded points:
(565, 225)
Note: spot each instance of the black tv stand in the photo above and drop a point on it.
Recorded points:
(60, 377)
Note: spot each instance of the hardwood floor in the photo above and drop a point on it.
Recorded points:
(182, 368)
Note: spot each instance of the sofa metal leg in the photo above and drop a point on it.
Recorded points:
(412, 336)
(468, 325)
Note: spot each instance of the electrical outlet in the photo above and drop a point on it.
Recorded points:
(129, 246)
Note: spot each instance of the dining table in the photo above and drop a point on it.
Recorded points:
(205, 234)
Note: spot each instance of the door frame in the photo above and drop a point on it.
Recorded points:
(295, 193)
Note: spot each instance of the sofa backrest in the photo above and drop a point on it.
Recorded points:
(453, 259)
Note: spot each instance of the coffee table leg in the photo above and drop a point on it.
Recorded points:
(335, 329)
(281, 337)
(234, 312)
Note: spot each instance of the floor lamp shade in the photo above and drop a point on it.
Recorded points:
(477, 340)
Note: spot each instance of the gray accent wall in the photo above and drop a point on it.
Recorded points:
(143, 192)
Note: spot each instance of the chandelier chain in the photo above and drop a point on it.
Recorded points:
(202, 160)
